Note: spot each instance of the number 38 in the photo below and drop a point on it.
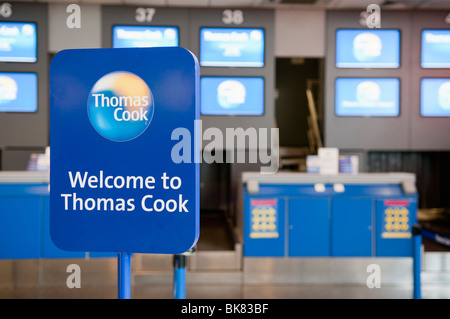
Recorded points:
(232, 16)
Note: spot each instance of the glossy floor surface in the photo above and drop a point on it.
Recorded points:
(47, 279)
(218, 271)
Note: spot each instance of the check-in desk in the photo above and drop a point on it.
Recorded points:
(25, 218)
(295, 214)
(311, 215)
(24, 206)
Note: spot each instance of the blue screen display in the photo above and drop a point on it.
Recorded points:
(18, 92)
(367, 48)
(232, 96)
(367, 97)
(435, 97)
(231, 47)
(18, 42)
(144, 36)
(435, 49)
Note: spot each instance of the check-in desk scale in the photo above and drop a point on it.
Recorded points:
(312, 215)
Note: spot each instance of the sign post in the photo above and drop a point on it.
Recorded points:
(123, 140)
(124, 275)
(179, 276)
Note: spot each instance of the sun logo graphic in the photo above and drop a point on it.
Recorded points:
(120, 106)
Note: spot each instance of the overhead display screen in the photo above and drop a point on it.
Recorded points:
(18, 42)
(144, 36)
(18, 92)
(435, 97)
(435, 49)
(232, 96)
(231, 47)
(367, 97)
(367, 48)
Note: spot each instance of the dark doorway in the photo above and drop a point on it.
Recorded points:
(291, 104)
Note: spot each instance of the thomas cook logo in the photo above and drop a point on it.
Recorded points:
(120, 106)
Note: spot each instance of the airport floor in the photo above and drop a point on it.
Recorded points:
(229, 291)
(217, 271)
(46, 279)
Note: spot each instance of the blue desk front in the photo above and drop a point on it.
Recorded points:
(25, 217)
(308, 215)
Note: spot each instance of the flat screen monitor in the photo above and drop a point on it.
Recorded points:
(232, 96)
(367, 97)
(435, 49)
(435, 97)
(144, 36)
(231, 47)
(18, 42)
(18, 92)
(367, 48)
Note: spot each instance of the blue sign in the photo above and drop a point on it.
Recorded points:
(232, 95)
(231, 47)
(367, 97)
(144, 36)
(435, 49)
(367, 48)
(18, 42)
(115, 118)
(18, 92)
(435, 97)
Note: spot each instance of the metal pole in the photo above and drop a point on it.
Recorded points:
(179, 277)
(417, 250)
(123, 275)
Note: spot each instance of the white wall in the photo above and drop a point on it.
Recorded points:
(300, 33)
(61, 37)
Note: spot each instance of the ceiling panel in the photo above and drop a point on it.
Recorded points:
(323, 4)
(56, 1)
(231, 3)
(101, 1)
(352, 4)
(145, 2)
(201, 3)
(391, 4)
(435, 4)
(298, 1)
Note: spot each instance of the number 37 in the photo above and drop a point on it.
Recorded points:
(145, 14)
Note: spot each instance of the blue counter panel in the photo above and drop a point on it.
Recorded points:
(338, 220)
(21, 190)
(20, 227)
(351, 227)
(265, 227)
(309, 227)
(25, 224)
(394, 219)
(291, 190)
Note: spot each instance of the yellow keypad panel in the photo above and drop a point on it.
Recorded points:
(396, 223)
(263, 222)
